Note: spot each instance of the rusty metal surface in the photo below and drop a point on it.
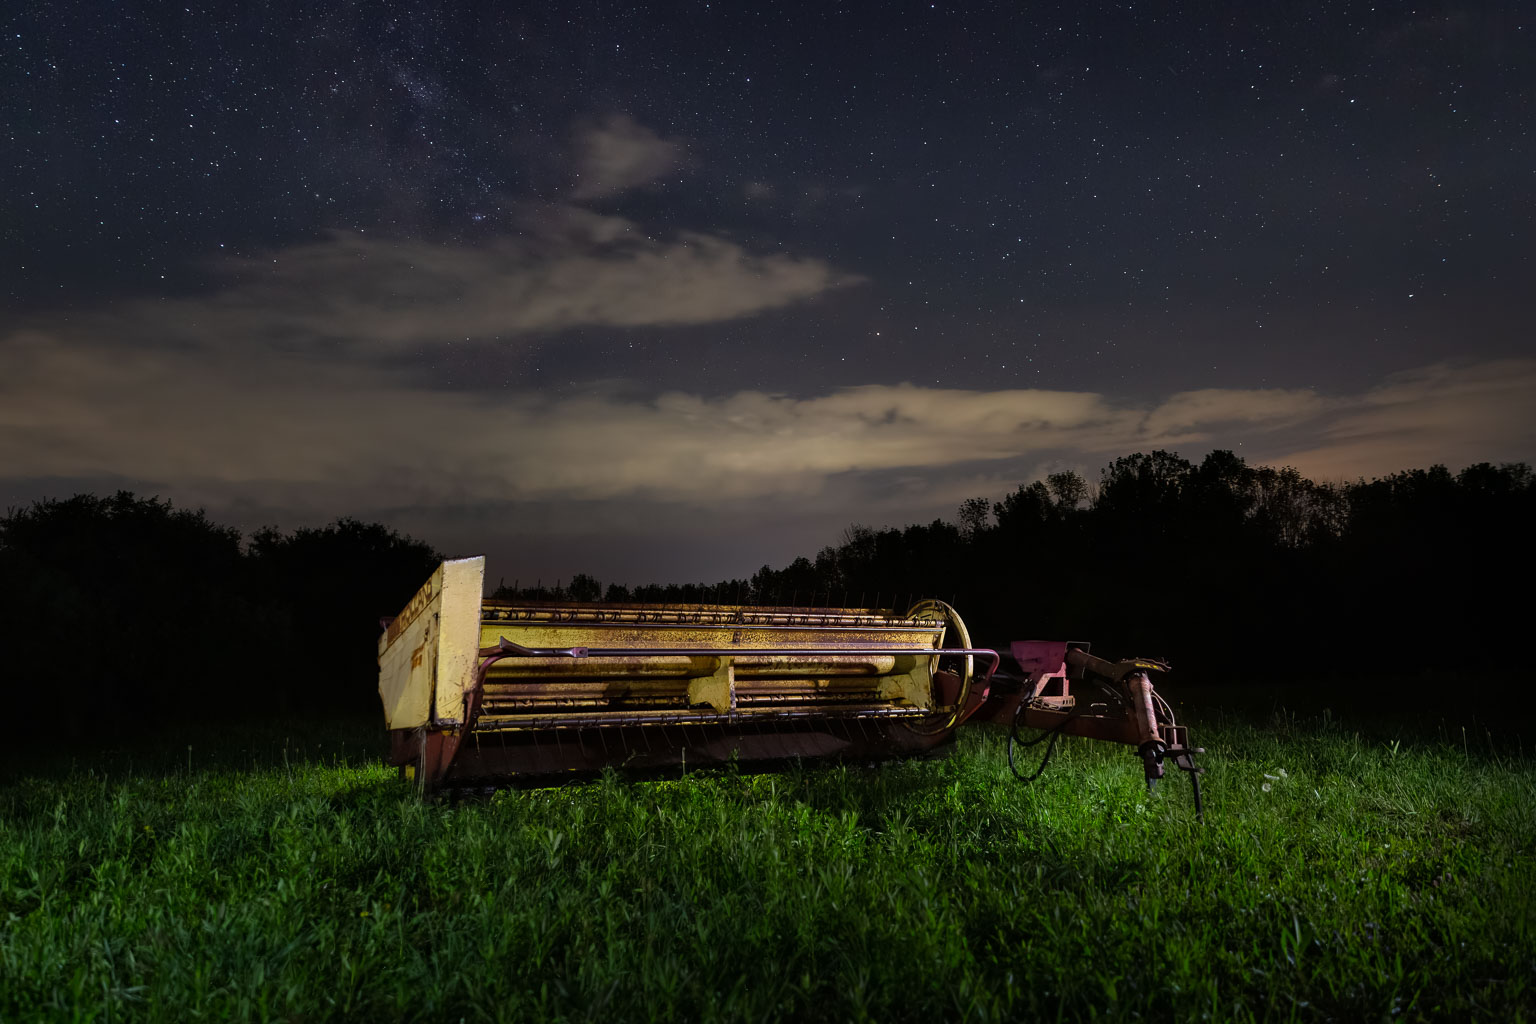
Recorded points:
(772, 682)
(623, 628)
(592, 719)
(1096, 727)
(784, 656)
(528, 688)
(551, 755)
(597, 664)
(547, 662)
(631, 636)
(689, 614)
(1130, 711)
(600, 687)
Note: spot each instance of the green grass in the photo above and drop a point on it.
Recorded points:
(1377, 878)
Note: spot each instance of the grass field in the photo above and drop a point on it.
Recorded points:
(1341, 875)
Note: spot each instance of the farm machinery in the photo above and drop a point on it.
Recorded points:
(478, 691)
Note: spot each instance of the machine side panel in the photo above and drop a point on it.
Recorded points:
(406, 657)
(458, 635)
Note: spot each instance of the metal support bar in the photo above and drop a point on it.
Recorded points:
(507, 648)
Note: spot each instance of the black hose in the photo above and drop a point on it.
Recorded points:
(1053, 733)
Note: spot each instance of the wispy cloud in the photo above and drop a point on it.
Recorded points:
(1192, 416)
(248, 423)
(282, 391)
(1451, 414)
(617, 154)
(567, 268)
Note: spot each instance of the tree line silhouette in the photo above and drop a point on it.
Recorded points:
(1231, 571)
(123, 610)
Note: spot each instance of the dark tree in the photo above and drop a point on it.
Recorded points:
(974, 516)
(584, 588)
(1027, 507)
(1234, 571)
(121, 609)
(1069, 490)
(333, 584)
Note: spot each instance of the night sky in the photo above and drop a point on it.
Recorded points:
(668, 293)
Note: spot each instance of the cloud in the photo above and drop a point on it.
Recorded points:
(1446, 413)
(568, 268)
(558, 267)
(662, 486)
(245, 424)
(1191, 415)
(618, 154)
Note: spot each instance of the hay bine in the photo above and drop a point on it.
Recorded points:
(482, 691)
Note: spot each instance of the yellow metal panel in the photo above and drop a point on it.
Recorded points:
(458, 635)
(678, 666)
(911, 682)
(589, 633)
(717, 689)
(431, 646)
(900, 680)
(406, 656)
